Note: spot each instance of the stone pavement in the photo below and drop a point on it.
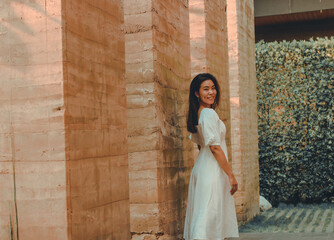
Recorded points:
(302, 218)
(285, 236)
(289, 222)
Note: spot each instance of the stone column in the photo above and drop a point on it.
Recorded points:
(160, 154)
(95, 119)
(63, 147)
(209, 51)
(208, 32)
(32, 131)
(244, 131)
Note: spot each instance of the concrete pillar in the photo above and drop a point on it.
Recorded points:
(160, 154)
(95, 119)
(209, 53)
(244, 131)
(209, 50)
(208, 35)
(63, 147)
(32, 131)
(197, 24)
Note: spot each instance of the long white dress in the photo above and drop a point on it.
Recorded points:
(211, 211)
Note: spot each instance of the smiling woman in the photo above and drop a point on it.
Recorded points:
(210, 208)
(207, 93)
(204, 92)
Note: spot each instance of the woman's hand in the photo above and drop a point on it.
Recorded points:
(233, 183)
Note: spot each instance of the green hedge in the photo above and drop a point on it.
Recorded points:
(295, 120)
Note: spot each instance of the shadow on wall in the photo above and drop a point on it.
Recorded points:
(20, 30)
(23, 29)
(174, 167)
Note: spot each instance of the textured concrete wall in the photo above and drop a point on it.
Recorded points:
(197, 25)
(172, 74)
(142, 120)
(240, 21)
(32, 134)
(208, 35)
(217, 59)
(209, 50)
(210, 44)
(63, 139)
(216, 44)
(160, 154)
(63, 123)
(95, 119)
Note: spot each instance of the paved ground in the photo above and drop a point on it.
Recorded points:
(289, 222)
(303, 218)
(285, 236)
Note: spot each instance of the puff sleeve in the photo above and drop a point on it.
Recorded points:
(210, 127)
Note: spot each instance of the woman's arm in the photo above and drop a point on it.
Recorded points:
(222, 161)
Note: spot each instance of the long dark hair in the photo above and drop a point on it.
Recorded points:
(195, 85)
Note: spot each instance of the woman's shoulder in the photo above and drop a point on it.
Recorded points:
(208, 113)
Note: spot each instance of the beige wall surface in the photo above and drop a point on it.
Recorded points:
(217, 60)
(93, 139)
(171, 42)
(273, 7)
(209, 53)
(143, 150)
(32, 134)
(240, 21)
(197, 25)
(160, 154)
(95, 120)
(208, 35)
(209, 50)
(63, 151)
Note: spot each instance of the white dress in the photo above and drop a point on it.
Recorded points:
(211, 211)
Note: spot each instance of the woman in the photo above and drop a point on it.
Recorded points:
(210, 209)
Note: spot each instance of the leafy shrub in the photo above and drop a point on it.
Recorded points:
(295, 120)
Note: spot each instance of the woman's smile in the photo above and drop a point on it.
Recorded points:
(207, 93)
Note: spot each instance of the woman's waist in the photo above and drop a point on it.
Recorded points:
(207, 151)
(205, 155)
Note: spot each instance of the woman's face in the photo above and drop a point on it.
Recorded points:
(207, 93)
